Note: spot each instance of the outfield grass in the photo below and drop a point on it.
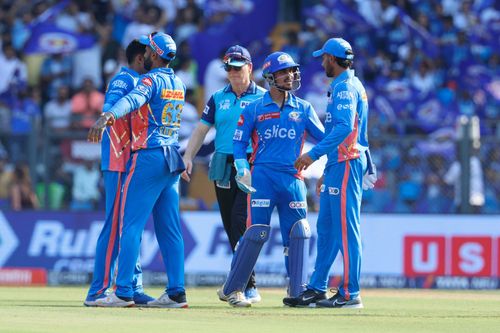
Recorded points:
(57, 310)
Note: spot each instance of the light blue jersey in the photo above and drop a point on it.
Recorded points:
(223, 111)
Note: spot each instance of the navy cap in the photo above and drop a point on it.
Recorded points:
(336, 47)
(237, 56)
(161, 43)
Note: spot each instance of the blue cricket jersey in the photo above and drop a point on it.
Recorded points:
(159, 96)
(223, 111)
(346, 121)
(115, 145)
(277, 134)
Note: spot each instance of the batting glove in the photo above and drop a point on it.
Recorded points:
(243, 176)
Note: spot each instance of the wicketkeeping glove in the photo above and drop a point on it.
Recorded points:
(370, 177)
(243, 176)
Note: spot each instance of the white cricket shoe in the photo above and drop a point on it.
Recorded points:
(220, 293)
(113, 301)
(173, 302)
(238, 300)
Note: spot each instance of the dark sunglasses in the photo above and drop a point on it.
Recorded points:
(229, 68)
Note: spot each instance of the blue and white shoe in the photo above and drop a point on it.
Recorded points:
(113, 301)
(142, 299)
(90, 300)
(252, 295)
(169, 301)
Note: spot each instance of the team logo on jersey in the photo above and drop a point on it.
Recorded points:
(297, 204)
(238, 134)
(333, 190)
(225, 104)
(241, 120)
(206, 109)
(267, 116)
(260, 203)
(147, 81)
(176, 95)
(243, 104)
(294, 116)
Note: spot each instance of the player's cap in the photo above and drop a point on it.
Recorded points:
(161, 43)
(336, 47)
(237, 56)
(277, 61)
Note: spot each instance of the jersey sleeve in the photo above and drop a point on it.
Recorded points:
(139, 96)
(313, 125)
(117, 88)
(208, 115)
(243, 132)
(343, 116)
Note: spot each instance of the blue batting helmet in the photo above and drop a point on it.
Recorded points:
(161, 43)
(336, 47)
(277, 61)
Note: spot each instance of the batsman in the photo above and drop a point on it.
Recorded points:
(277, 124)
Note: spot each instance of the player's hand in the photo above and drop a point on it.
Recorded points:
(369, 179)
(319, 184)
(95, 132)
(188, 163)
(243, 176)
(303, 162)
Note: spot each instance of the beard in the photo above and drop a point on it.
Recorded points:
(148, 63)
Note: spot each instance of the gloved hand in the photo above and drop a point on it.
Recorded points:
(369, 179)
(243, 176)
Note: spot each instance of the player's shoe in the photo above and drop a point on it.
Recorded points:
(220, 293)
(142, 299)
(169, 301)
(338, 301)
(113, 301)
(252, 294)
(90, 299)
(238, 300)
(307, 298)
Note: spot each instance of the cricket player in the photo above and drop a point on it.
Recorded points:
(222, 112)
(277, 124)
(115, 152)
(346, 146)
(153, 172)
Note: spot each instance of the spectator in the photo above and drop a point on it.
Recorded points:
(55, 72)
(57, 111)
(21, 191)
(13, 73)
(5, 176)
(85, 192)
(86, 105)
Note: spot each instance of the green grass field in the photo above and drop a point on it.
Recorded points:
(55, 310)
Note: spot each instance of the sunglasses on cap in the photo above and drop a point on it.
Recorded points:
(235, 56)
(229, 68)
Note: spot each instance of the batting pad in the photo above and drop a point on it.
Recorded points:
(245, 257)
(298, 252)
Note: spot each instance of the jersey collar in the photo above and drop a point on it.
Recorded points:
(343, 77)
(252, 89)
(130, 71)
(291, 100)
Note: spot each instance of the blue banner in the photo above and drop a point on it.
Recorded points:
(49, 39)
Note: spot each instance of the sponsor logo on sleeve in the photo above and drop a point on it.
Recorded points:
(147, 81)
(206, 109)
(238, 134)
(260, 203)
(119, 84)
(142, 89)
(297, 204)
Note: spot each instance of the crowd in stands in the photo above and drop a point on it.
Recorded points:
(424, 64)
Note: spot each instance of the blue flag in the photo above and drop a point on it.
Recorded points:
(49, 39)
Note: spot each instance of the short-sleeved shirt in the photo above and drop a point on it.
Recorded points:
(223, 111)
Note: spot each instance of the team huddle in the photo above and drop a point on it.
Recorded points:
(257, 166)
